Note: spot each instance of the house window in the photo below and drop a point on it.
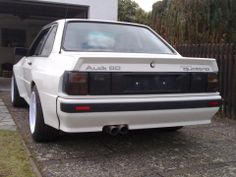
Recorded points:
(13, 37)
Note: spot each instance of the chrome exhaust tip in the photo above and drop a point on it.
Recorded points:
(123, 129)
(112, 130)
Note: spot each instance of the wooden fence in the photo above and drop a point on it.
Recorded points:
(225, 54)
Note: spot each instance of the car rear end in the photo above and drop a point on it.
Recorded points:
(178, 94)
(126, 74)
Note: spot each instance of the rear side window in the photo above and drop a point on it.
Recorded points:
(47, 48)
(38, 43)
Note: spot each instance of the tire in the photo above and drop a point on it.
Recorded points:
(39, 130)
(16, 100)
(171, 129)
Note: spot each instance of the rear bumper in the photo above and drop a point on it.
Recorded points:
(136, 106)
(136, 112)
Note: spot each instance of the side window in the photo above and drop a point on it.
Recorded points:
(38, 43)
(47, 48)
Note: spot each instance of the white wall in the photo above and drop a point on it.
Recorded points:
(98, 9)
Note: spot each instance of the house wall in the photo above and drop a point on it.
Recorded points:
(98, 9)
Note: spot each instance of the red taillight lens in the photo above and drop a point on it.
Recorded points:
(212, 82)
(75, 83)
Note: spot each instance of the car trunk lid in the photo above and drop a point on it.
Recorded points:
(143, 63)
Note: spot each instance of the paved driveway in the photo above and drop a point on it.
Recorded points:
(206, 150)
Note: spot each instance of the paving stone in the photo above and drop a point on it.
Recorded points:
(3, 109)
(6, 121)
(5, 115)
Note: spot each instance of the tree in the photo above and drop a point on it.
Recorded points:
(130, 11)
(195, 21)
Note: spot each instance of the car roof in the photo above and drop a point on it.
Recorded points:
(93, 20)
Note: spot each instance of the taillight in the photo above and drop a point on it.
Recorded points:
(82, 83)
(212, 85)
(75, 83)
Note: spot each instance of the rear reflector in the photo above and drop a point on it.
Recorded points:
(82, 108)
(214, 103)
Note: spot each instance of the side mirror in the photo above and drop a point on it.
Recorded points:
(20, 51)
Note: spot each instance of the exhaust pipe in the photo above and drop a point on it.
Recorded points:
(112, 130)
(123, 129)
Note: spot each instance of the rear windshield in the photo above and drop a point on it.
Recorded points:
(107, 37)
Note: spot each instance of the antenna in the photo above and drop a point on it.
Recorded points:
(66, 13)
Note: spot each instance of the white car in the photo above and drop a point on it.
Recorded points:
(90, 76)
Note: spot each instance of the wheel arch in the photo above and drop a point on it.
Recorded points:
(48, 104)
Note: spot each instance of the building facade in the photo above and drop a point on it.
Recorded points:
(20, 20)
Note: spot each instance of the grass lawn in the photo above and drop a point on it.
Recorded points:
(14, 161)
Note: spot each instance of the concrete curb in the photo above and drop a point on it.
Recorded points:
(33, 164)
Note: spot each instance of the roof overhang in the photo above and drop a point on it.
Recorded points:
(26, 9)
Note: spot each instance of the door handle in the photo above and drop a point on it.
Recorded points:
(28, 61)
